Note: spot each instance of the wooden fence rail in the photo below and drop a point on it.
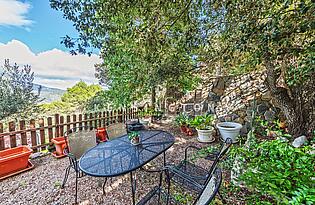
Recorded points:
(38, 133)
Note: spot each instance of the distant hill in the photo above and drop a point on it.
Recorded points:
(48, 94)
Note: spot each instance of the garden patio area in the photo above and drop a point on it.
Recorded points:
(42, 185)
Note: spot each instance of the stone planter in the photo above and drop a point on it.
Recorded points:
(14, 159)
(229, 130)
(205, 135)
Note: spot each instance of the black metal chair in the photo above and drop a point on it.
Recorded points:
(205, 196)
(196, 176)
(193, 177)
(116, 130)
(78, 141)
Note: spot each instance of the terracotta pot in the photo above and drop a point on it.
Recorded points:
(135, 141)
(14, 159)
(189, 131)
(101, 134)
(60, 145)
(183, 128)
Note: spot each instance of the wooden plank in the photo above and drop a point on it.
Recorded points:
(91, 120)
(33, 134)
(85, 120)
(12, 136)
(80, 121)
(107, 118)
(61, 127)
(120, 117)
(104, 119)
(41, 123)
(100, 119)
(68, 122)
(50, 129)
(95, 120)
(23, 134)
(74, 120)
(57, 134)
(1, 138)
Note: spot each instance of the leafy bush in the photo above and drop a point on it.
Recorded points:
(277, 169)
(181, 119)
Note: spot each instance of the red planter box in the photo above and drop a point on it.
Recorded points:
(14, 159)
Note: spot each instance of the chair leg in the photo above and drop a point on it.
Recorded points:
(76, 187)
(66, 177)
(168, 180)
(221, 198)
(104, 185)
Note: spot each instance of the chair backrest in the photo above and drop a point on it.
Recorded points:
(79, 140)
(211, 188)
(116, 130)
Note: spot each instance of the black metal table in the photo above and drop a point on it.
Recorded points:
(119, 156)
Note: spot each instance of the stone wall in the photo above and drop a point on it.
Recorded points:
(231, 98)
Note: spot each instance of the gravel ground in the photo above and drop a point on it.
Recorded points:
(42, 185)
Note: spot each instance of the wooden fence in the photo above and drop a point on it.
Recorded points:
(38, 133)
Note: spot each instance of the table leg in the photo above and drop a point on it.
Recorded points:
(164, 159)
(133, 188)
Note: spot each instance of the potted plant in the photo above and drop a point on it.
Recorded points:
(14, 160)
(229, 130)
(182, 120)
(134, 137)
(204, 127)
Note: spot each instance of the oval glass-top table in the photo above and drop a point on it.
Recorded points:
(119, 156)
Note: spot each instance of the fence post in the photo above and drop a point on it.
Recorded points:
(42, 130)
(99, 119)
(91, 120)
(13, 136)
(2, 146)
(50, 129)
(61, 127)
(74, 119)
(33, 134)
(80, 121)
(56, 125)
(68, 122)
(95, 120)
(85, 120)
(23, 134)
(104, 119)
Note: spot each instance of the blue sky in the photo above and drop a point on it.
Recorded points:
(30, 33)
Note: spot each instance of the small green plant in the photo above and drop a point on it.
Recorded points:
(133, 135)
(181, 119)
(202, 122)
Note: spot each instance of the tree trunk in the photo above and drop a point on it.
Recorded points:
(290, 102)
(153, 100)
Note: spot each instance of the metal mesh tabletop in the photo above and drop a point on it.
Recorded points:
(119, 156)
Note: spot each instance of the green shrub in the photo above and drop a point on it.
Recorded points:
(275, 168)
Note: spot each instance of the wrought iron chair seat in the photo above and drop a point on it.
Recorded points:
(195, 173)
(196, 176)
(206, 194)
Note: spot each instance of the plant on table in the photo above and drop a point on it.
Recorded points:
(134, 137)
(204, 127)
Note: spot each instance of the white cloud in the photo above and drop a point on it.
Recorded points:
(52, 68)
(12, 13)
